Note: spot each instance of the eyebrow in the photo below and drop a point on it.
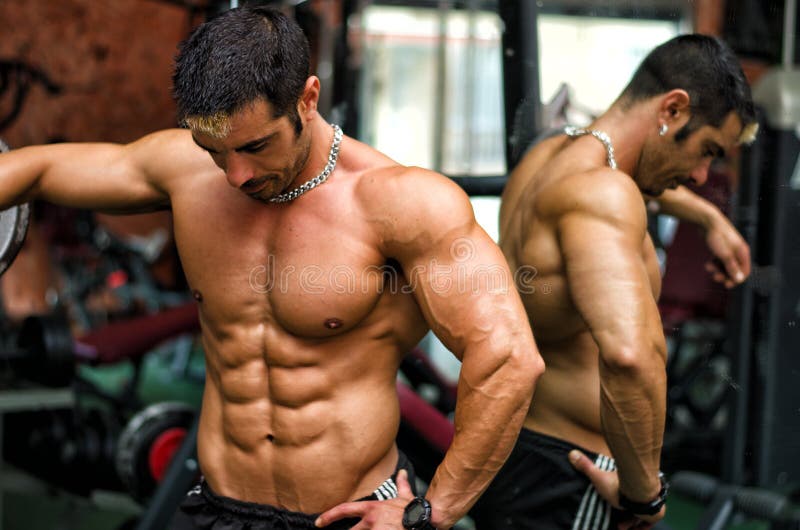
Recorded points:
(245, 147)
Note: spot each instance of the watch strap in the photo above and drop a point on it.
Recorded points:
(647, 508)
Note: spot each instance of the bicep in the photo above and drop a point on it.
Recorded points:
(466, 291)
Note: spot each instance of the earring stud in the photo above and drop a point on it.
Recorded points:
(663, 129)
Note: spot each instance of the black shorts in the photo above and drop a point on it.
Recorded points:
(538, 489)
(202, 509)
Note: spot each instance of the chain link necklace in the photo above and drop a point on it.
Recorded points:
(319, 179)
(574, 132)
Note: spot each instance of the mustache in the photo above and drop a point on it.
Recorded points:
(256, 183)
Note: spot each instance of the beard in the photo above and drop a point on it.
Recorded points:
(300, 160)
(288, 175)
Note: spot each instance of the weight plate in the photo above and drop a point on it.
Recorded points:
(13, 227)
(136, 441)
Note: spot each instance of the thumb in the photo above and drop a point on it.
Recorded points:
(581, 462)
(403, 486)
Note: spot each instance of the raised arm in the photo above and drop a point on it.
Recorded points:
(602, 237)
(732, 254)
(466, 292)
(110, 177)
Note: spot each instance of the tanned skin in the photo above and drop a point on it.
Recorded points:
(303, 334)
(592, 301)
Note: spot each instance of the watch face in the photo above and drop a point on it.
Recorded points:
(415, 512)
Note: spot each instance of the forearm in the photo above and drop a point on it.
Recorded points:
(491, 406)
(20, 172)
(632, 410)
(687, 206)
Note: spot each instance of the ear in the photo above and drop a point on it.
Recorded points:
(307, 105)
(674, 108)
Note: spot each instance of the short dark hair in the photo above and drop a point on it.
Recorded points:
(242, 56)
(707, 69)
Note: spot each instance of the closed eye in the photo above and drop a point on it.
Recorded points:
(257, 145)
(254, 148)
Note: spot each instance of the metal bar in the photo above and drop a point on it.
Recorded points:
(469, 85)
(789, 23)
(718, 514)
(181, 473)
(481, 186)
(520, 74)
(740, 319)
(441, 86)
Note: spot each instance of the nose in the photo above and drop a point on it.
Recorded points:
(700, 174)
(237, 170)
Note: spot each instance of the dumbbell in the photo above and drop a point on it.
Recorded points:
(723, 500)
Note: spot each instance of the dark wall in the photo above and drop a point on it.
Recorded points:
(86, 69)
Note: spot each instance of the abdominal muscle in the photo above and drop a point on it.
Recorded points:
(302, 436)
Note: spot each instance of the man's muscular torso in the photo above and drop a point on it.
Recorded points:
(567, 401)
(303, 332)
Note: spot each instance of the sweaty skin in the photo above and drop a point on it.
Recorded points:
(580, 229)
(303, 323)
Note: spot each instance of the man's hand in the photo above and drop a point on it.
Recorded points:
(731, 263)
(607, 485)
(373, 514)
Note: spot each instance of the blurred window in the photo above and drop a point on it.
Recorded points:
(595, 56)
(432, 92)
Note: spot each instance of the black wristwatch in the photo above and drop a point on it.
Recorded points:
(647, 508)
(417, 515)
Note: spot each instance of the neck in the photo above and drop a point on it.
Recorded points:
(628, 128)
(320, 136)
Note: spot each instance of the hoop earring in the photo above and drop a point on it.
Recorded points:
(663, 129)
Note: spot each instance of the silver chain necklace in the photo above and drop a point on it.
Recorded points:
(573, 132)
(319, 179)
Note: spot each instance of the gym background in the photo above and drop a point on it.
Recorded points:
(459, 86)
